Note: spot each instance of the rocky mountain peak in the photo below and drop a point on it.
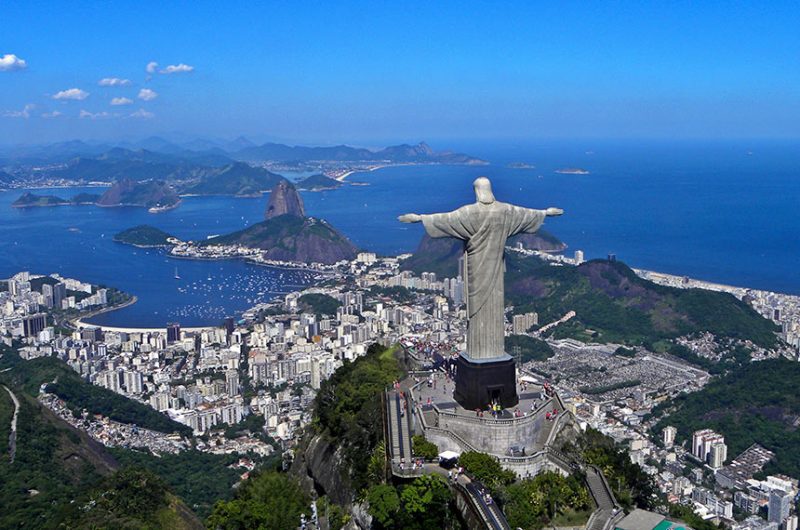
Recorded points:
(284, 199)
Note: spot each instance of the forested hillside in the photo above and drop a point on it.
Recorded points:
(757, 403)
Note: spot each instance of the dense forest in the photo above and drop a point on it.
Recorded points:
(347, 409)
(200, 479)
(612, 304)
(60, 478)
(133, 498)
(319, 304)
(528, 348)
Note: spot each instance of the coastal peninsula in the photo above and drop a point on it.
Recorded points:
(146, 236)
(318, 182)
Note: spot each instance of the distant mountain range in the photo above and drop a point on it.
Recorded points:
(420, 153)
(200, 167)
(156, 150)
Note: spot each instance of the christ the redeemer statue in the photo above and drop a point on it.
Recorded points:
(484, 226)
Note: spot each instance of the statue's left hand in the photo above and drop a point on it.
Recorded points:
(410, 218)
(553, 212)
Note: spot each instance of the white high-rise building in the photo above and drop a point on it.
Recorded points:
(702, 441)
(232, 382)
(718, 455)
(366, 258)
(780, 502)
(134, 382)
(669, 435)
(579, 257)
(160, 401)
(522, 323)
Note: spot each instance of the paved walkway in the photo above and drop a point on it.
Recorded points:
(12, 438)
(440, 392)
(399, 431)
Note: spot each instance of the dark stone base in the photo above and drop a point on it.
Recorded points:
(479, 383)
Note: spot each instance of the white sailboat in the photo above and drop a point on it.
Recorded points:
(177, 276)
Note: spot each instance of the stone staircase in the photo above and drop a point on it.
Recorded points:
(599, 489)
(398, 429)
(607, 507)
(491, 514)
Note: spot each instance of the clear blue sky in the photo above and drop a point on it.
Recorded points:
(374, 72)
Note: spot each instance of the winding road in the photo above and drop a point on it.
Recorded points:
(12, 438)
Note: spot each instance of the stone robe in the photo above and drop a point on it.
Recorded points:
(484, 229)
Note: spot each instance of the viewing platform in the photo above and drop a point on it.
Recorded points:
(521, 438)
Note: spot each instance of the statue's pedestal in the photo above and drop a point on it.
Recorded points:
(480, 382)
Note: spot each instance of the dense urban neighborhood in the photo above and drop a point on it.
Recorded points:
(247, 386)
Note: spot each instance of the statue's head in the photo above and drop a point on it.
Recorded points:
(483, 190)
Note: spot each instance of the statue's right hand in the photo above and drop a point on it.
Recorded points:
(410, 218)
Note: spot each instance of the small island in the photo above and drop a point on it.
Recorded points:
(157, 196)
(31, 200)
(146, 236)
(85, 198)
(152, 194)
(572, 171)
(520, 165)
(318, 182)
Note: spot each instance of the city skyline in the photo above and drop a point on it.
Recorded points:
(330, 74)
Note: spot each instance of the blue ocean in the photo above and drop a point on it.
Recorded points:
(724, 212)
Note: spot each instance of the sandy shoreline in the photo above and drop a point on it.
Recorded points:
(81, 322)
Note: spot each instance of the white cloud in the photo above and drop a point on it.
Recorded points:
(151, 67)
(143, 114)
(25, 113)
(147, 95)
(85, 114)
(114, 81)
(121, 101)
(177, 69)
(72, 93)
(10, 62)
(51, 115)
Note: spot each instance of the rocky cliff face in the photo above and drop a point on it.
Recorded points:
(540, 240)
(283, 200)
(288, 235)
(315, 242)
(321, 468)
